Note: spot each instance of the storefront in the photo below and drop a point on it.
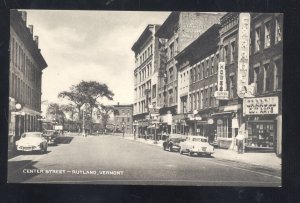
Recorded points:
(227, 122)
(262, 120)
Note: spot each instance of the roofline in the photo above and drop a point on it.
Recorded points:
(139, 40)
(172, 16)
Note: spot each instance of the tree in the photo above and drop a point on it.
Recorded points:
(55, 112)
(105, 112)
(70, 109)
(90, 92)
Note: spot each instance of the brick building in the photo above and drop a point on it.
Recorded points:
(145, 75)
(179, 30)
(25, 77)
(123, 117)
(197, 82)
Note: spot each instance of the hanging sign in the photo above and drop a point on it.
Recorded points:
(221, 94)
(243, 54)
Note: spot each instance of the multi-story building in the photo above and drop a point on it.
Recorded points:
(123, 118)
(197, 82)
(145, 75)
(25, 77)
(265, 71)
(179, 30)
(251, 60)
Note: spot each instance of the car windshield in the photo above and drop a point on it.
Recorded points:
(199, 139)
(31, 135)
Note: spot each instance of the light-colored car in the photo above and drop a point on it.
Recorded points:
(196, 145)
(32, 141)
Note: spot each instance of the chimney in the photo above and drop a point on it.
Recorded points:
(24, 16)
(36, 40)
(30, 29)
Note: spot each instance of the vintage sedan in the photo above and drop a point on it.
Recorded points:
(32, 141)
(196, 145)
(172, 143)
(51, 136)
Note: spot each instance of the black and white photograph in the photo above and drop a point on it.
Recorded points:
(145, 98)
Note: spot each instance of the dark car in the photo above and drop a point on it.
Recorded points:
(172, 143)
(51, 136)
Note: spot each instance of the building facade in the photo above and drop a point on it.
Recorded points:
(179, 30)
(197, 82)
(25, 77)
(145, 75)
(123, 118)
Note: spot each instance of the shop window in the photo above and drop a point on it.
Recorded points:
(257, 39)
(261, 134)
(278, 31)
(267, 34)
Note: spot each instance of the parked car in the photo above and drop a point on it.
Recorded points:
(196, 145)
(32, 141)
(172, 143)
(51, 136)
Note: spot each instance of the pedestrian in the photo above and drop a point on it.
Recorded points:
(240, 143)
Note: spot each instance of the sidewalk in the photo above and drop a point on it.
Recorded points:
(269, 160)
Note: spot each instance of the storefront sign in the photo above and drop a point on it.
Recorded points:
(210, 121)
(260, 106)
(221, 94)
(243, 54)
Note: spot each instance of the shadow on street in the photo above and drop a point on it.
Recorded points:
(19, 171)
(64, 140)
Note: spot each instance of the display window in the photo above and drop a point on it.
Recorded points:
(261, 134)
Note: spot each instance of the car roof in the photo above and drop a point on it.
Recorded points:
(195, 136)
(32, 133)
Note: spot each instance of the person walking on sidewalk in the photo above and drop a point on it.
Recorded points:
(240, 143)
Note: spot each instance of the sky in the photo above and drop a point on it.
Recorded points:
(89, 45)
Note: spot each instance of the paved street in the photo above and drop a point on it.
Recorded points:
(112, 160)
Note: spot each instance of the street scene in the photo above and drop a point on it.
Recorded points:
(145, 98)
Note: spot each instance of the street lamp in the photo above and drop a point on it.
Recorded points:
(123, 128)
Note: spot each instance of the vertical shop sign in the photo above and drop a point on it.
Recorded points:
(221, 93)
(243, 54)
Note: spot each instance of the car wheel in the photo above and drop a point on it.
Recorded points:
(180, 151)
(190, 153)
(165, 148)
(171, 148)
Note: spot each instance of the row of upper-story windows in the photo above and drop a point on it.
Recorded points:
(142, 90)
(204, 69)
(144, 55)
(143, 74)
(173, 49)
(267, 34)
(23, 93)
(23, 62)
(202, 98)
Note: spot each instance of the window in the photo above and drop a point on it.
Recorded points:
(171, 50)
(257, 39)
(267, 34)
(277, 75)
(198, 100)
(207, 68)
(153, 91)
(225, 53)
(212, 66)
(201, 99)
(171, 73)
(198, 70)
(202, 74)
(211, 96)
(231, 87)
(128, 119)
(195, 100)
(195, 74)
(278, 31)
(192, 76)
(267, 78)
(232, 51)
(206, 97)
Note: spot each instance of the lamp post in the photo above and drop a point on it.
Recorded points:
(123, 128)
